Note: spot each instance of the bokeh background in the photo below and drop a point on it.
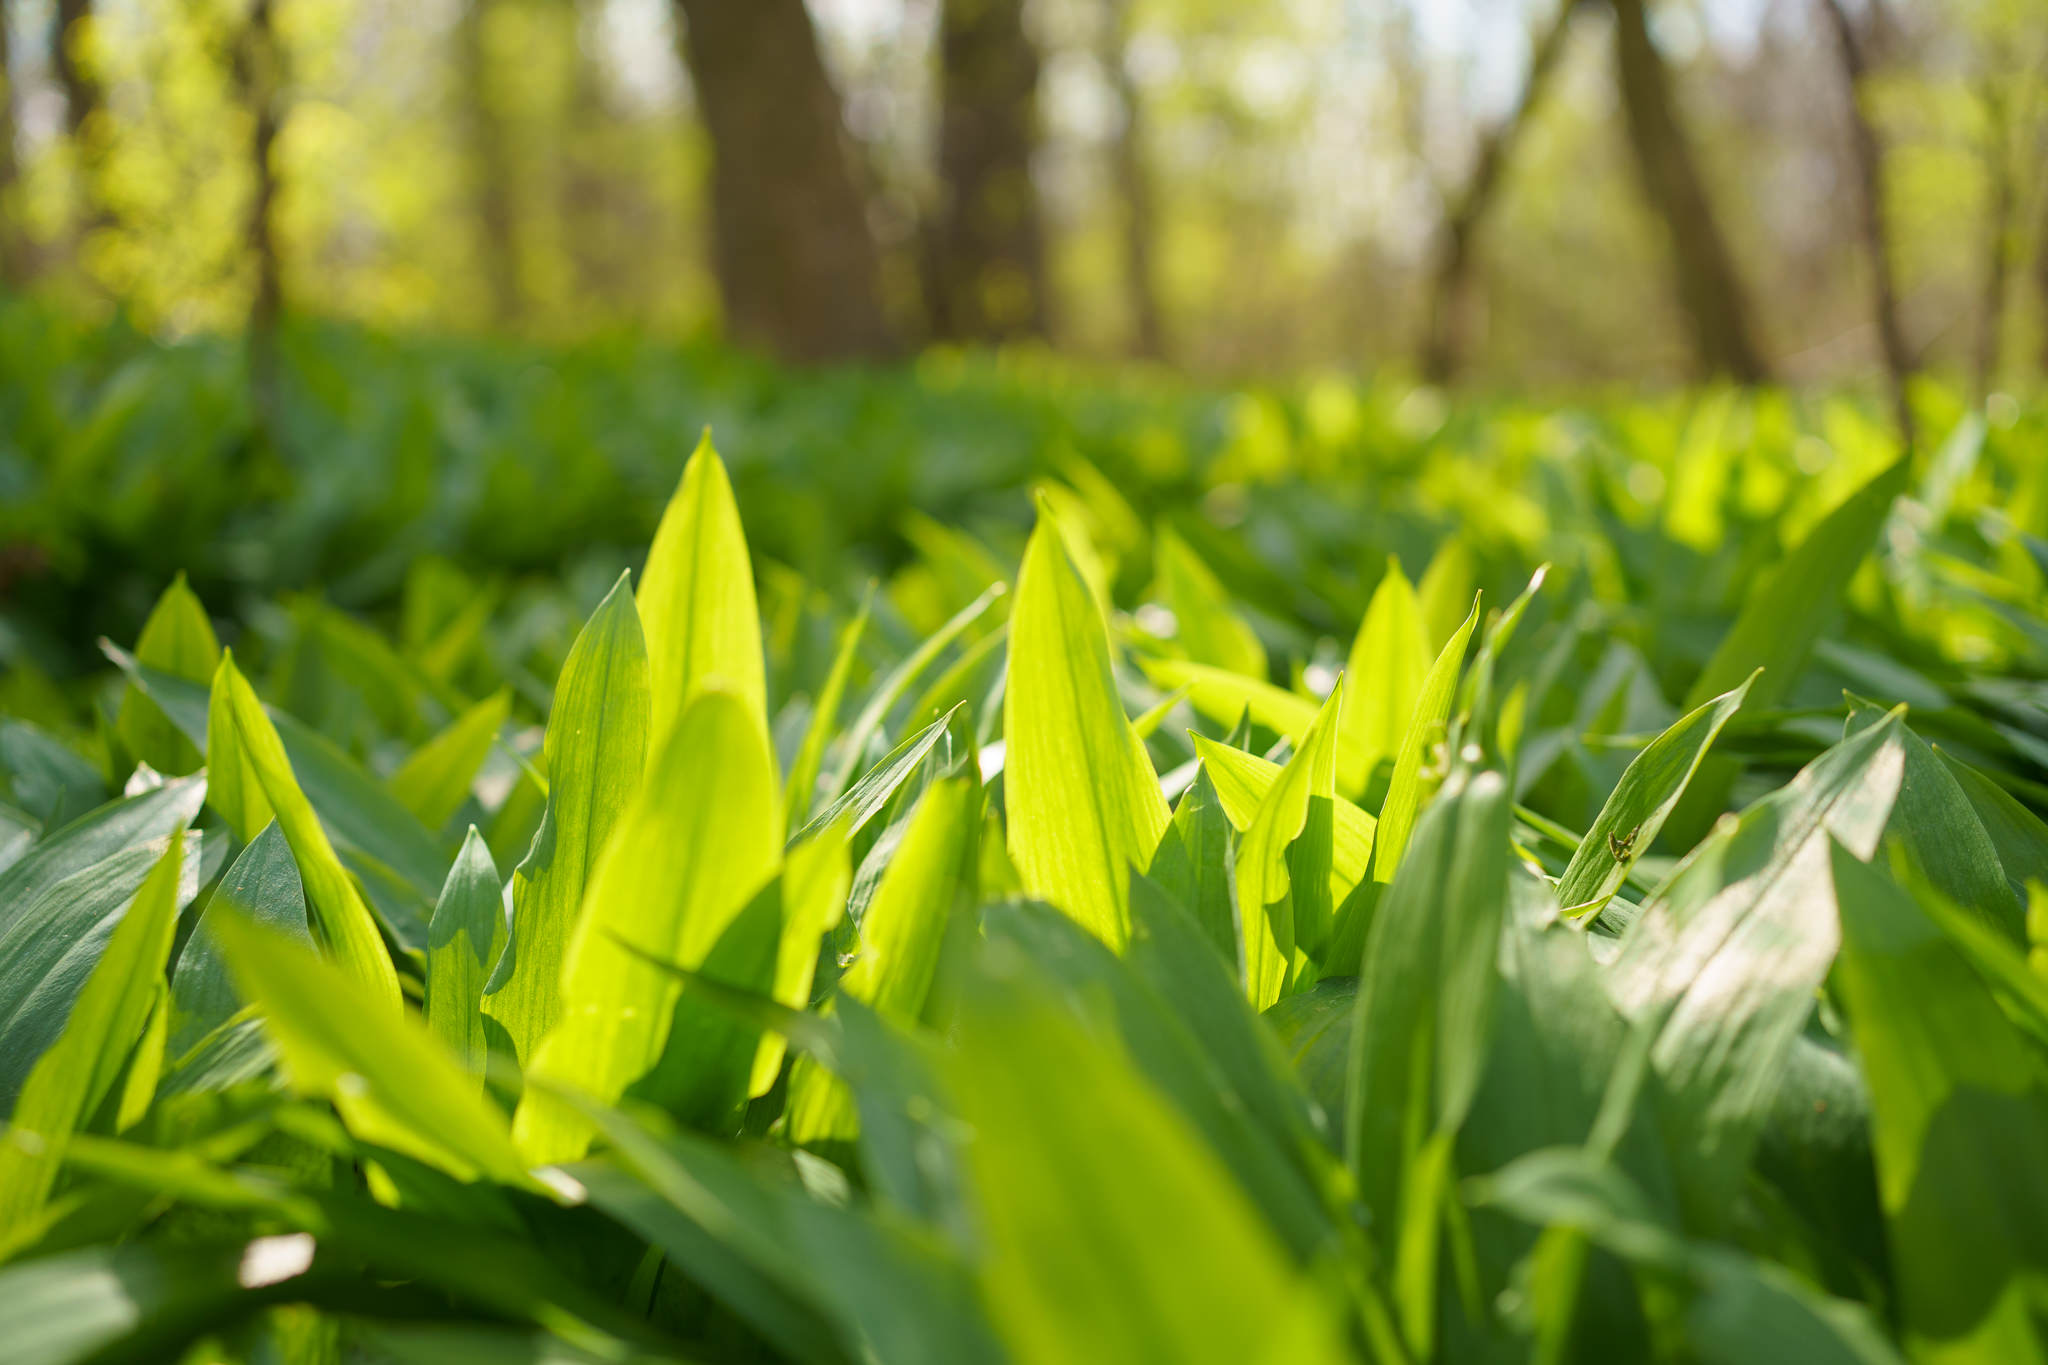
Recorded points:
(1510, 193)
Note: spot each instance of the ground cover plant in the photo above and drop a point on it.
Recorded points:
(1578, 896)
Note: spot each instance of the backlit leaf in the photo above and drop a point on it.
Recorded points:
(1084, 803)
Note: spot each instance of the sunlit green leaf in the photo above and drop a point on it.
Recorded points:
(1424, 732)
(392, 1081)
(433, 783)
(1639, 803)
(1084, 803)
(241, 740)
(464, 940)
(1959, 1105)
(596, 749)
(696, 598)
(686, 858)
(69, 1080)
(177, 639)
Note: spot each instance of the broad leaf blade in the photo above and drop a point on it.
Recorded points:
(434, 782)
(463, 942)
(596, 749)
(1959, 1105)
(391, 1080)
(71, 1078)
(177, 639)
(688, 856)
(1636, 810)
(1726, 956)
(696, 598)
(1388, 662)
(900, 936)
(1084, 803)
(1425, 724)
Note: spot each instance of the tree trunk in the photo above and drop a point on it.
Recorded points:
(489, 165)
(2041, 280)
(1451, 272)
(1997, 239)
(1127, 159)
(1708, 285)
(990, 265)
(258, 74)
(1867, 159)
(14, 264)
(84, 102)
(796, 261)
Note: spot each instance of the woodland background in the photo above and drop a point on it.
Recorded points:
(1506, 192)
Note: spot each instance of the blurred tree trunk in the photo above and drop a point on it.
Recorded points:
(2041, 280)
(14, 263)
(1997, 237)
(259, 78)
(796, 260)
(1451, 270)
(989, 246)
(1127, 159)
(588, 194)
(1867, 158)
(489, 164)
(1708, 285)
(84, 102)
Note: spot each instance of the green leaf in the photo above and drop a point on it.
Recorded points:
(59, 904)
(1725, 958)
(1222, 697)
(1084, 803)
(868, 797)
(1636, 809)
(1262, 1147)
(75, 1074)
(44, 777)
(2020, 986)
(823, 1284)
(1419, 1043)
(696, 598)
(815, 878)
(435, 781)
(701, 837)
(1192, 866)
(1741, 1311)
(242, 741)
(391, 1081)
(1424, 731)
(810, 755)
(463, 943)
(1449, 581)
(853, 746)
(1076, 1261)
(262, 885)
(395, 858)
(1783, 616)
(1286, 919)
(596, 749)
(1787, 608)
(1204, 624)
(177, 639)
(1242, 781)
(1938, 827)
(900, 936)
(449, 1343)
(1388, 662)
(79, 1306)
(1959, 1105)
(2019, 835)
